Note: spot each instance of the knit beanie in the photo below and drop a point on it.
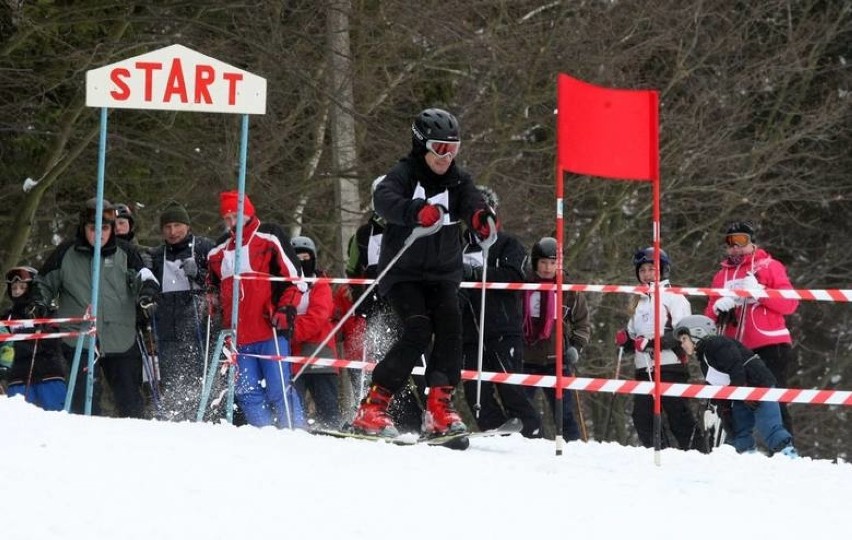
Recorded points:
(228, 204)
(174, 213)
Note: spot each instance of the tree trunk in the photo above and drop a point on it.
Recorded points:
(344, 155)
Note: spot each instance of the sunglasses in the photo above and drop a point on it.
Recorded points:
(443, 149)
(738, 240)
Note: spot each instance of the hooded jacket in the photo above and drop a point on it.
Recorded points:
(67, 278)
(760, 322)
(266, 252)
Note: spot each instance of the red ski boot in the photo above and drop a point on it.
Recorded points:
(440, 417)
(372, 417)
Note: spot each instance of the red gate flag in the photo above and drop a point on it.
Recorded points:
(607, 132)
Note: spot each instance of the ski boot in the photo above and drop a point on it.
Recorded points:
(440, 417)
(372, 417)
(789, 451)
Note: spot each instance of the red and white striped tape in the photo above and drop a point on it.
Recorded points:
(697, 391)
(29, 323)
(818, 295)
(43, 335)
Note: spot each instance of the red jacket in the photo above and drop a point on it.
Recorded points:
(354, 330)
(313, 317)
(763, 321)
(269, 253)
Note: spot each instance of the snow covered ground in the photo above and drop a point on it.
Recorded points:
(76, 477)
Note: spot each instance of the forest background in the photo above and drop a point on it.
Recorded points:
(754, 112)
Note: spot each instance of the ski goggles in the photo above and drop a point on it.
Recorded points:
(443, 149)
(738, 240)
(17, 274)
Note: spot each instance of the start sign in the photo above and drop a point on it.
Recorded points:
(176, 78)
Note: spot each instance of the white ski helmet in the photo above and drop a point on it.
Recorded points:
(697, 327)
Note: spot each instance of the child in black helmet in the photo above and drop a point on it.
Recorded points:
(33, 368)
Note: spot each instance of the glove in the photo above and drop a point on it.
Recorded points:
(621, 338)
(471, 273)
(480, 222)
(571, 356)
(37, 310)
(147, 304)
(724, 304)
(428, 215)
(749, 282)
(284, 319)
(641, 343)
(752, 405)
(190, 268)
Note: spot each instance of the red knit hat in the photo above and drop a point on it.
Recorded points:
(228, 204)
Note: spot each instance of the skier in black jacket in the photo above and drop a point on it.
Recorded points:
(503, 343)
(725, 361)
(36, 369)
(422, 286)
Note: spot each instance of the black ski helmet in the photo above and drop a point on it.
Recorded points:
(741, 227)
(647, 256)
(697, 327)
(434, 124)
(545, 248)
(124, 211)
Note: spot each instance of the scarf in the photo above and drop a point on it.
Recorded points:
(539, 328)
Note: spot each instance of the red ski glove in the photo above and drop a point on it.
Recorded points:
(428, 215)
(621, 338)
(641, 343)
(480, 222)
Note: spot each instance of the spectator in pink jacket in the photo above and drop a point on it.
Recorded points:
(758, 323)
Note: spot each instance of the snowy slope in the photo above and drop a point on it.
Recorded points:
(74, 477)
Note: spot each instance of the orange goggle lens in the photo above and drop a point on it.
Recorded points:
(739, 240)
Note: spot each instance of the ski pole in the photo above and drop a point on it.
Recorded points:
(148, 366)
(612, 399)
(416, 234)
(485, 244)
(284, 388)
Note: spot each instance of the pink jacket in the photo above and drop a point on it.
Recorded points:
(763, 322)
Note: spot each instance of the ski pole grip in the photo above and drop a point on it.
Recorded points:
(420, 232)
(485, 243)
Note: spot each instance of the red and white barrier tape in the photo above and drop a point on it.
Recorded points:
(697, 391)
(43, 335)
(29, 323)
(818, 295)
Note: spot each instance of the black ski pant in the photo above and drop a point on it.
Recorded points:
(123, 373)
(778, 358)
(430, 313)
(503, 354)
(682, 422)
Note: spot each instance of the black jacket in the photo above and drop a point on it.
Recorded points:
(48, 362)
(180, 308)
(399, 197)
(503, 309)
(732, 358)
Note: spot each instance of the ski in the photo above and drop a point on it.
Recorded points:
(456, 441)
(460, 441)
